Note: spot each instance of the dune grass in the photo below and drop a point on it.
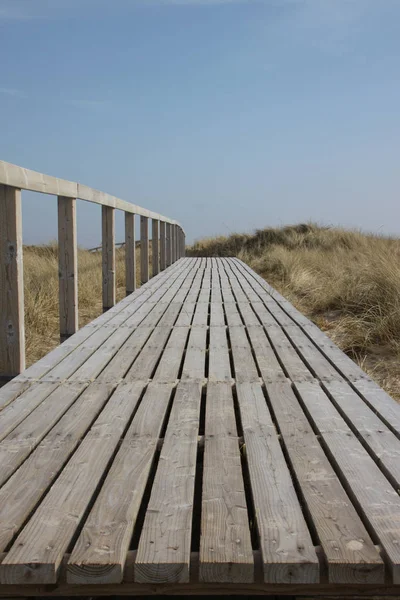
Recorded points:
(347, 282)
(41, 294)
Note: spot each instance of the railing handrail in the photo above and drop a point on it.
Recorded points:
(168, 245)
(34, 181)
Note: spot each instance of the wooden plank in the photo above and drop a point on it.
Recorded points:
(155, 247)
(173, 243)
(20, 442)
(95, 363)
(374, 497)
(18, 177)
(266, 359)
(11, 391)
(108, 241)
(163, 250)
(244, 366)
(219, 368)
(350, 554)
(226, 553)
(36, 555)
(195, 588)
(126, 355)
(379, 401)
(13, 414)
(164, 547)
(112, 519)
(292, 363)
(130, 253)
(67, 267)
(144, 249)
(148, 358)
(168, 246)
(12, 332)
(287, 550)
(311, 355)
(380, 441)
(171, 360)
(217, 315)
(232, 314)
(20, 494)
(195, 357)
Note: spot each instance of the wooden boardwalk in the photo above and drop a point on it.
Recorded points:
(200, 437)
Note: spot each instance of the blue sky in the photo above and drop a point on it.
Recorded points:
(226, 115)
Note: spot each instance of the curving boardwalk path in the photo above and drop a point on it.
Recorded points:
(201, 437)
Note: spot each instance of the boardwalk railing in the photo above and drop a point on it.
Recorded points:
(168, 245)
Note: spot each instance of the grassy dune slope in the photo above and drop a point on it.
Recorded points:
(347, 282)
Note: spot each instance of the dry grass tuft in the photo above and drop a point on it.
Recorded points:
(347, 282)
(41, 293)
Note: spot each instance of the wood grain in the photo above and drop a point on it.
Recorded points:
(12, 329)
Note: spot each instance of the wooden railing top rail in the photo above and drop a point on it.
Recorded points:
(25, 179)
(167, 244)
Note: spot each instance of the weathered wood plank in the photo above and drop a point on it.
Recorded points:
(155, 247)
(67, 267)
(12, 329)
(13, 414)
(130, 253)
(20, 442)
(36, 554)
(168, 246)
(18, 177)
(164, 546)
(350, 553)
(144, 249)
(195, 358)
(219, 368)
(287, 550)
(244, 366)
(379, 439)
(108, 242)
(163, 249)
(375, 498)
(112, 519)
(267, 361)
(24, 489)
(226, 553)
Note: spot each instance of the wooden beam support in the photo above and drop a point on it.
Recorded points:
(12, 332)
(163, 261)
(130, 253)
(67, 267)
(144, 249)
(169, 245)
(155, 244)
(108, 244)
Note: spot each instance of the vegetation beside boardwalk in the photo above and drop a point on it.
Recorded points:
(347, 282)
(41, 294)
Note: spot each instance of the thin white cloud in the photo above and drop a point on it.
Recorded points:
(12, 92)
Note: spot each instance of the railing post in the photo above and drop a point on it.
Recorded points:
(173, 243)
(162, 246)
(169, 245)
(130, 253)
(67, 267)
(108, 246)
(155, 247)
(12, 333)
(144, 249)
(184, 244)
